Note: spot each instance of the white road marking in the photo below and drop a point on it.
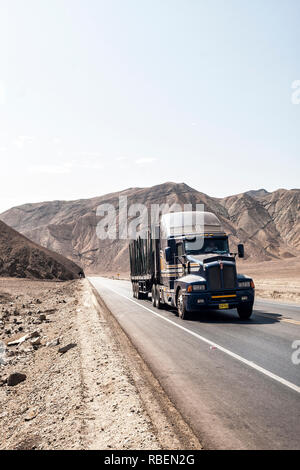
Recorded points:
(251, 364)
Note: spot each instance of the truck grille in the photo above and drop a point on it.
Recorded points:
(229, 277)
(221, 279)
(214, 278)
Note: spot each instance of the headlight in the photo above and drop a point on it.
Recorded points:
(244, 284)
(199, 287)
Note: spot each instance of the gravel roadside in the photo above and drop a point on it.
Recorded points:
(70, 379)
(77, 393)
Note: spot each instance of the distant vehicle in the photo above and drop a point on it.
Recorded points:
(190, 267)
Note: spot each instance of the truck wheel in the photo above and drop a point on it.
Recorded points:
(182, 313)
(157, 298)
(153, 292)
(244, 312)
(139, 294)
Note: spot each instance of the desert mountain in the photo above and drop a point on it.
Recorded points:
(257, 192)
(20, 257)
(267, 223)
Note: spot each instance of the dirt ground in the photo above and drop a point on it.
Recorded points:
(278, 280)
(83, 388)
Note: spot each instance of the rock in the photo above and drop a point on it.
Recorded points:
(50, 311)
(66, 348)
(31, 415)
(36, 341)
(42, 317)
(34, 334)
(15, 379)
(54, 342)
(18, 341)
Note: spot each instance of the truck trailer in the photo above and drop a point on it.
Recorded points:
(190, 267)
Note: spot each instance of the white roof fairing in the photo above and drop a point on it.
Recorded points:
(184, 223)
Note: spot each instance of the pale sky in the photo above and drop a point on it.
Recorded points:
(101, 95)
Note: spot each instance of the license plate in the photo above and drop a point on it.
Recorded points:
(223, 306)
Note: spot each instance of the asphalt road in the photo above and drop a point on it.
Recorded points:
(233, 381)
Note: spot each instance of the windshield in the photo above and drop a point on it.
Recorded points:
(207, 245)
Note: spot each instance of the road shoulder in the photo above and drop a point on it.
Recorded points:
(169, 426)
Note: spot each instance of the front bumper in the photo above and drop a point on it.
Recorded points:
(212, 300)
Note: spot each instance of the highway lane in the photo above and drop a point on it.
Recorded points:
(233, 381)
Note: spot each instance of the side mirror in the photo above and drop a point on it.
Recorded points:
(168, 254)
(172, 244)
(180, 249)
(188, 267)
(241, 251)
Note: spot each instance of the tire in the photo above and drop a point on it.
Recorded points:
(158, 303)
(245, 312)
(182, 313)
(139, 295)
(143, 295)
(153, 292)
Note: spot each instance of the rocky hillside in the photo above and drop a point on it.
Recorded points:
(267, 223)
(20, 257)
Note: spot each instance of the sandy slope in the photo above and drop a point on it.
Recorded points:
(20, 257)
(279, 280)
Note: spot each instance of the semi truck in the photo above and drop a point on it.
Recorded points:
(189, 267)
